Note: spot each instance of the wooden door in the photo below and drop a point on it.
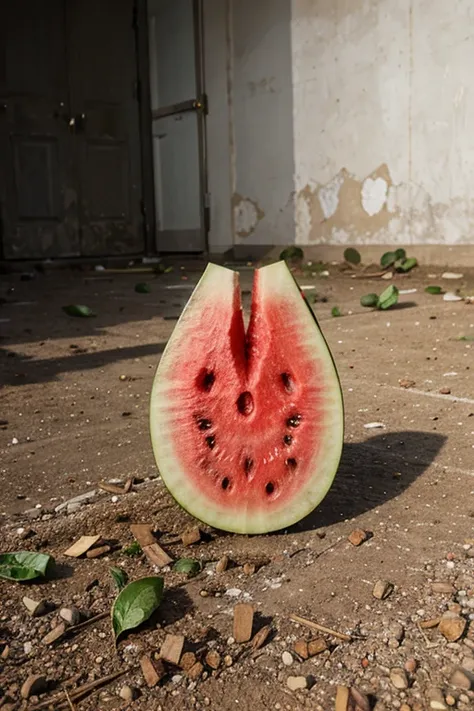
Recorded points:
(104, 105)
(38, 196)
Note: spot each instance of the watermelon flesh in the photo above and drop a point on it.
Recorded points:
(247, 426)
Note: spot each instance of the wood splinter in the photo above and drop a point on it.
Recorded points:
(320, 628)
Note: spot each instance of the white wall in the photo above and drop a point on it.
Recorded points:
(350, 121)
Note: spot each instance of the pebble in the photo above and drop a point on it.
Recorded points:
(297, 682)
(127, 693)
(399, 678)
(452, 627)
(436, 699)
(382, 589)
(71, 615)
(35, 684)
(411, 665)
(287, 659)
(463, 679)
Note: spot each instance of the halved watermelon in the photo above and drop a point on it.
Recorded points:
(247, 428)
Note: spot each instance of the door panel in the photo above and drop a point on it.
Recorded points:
(177, 124)
(102, 76)
(38, 206)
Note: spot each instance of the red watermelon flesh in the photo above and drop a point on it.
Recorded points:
(247, 427)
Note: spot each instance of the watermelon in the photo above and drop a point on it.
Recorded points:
(247, 425)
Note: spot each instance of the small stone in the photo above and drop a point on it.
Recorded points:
(70, 615)
(213, 659)
(444, 391)
(261, 637)
(222, 564)
(243, 622)
(382, 589)
(195, 672)
(411, 665)
(463, 679)
(317, 646)
(397, 631)
(287, 659)
(443, 587)
(300, 648)
(191, 535)
(399, 678)
(450, 700)
(249, 568)
(188, 660)
(98, 552)
(406, 383)
(55, 634)
(297, 682)
(34, 685)
(172, 648)
(128, 693)
(35, 609)
(228, 661)
(358, 536)
(452, 628)
(153, 671)
(405, 707)
(436, 699)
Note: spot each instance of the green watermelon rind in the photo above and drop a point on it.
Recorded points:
(217, 279)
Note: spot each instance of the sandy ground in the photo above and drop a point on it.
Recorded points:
(74, 411)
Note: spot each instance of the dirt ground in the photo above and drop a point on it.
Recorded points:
(74, 412)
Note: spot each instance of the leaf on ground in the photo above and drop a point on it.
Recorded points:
(465, 338)
(187, 565)
(352, 256)
(388, 259)
(407, 265)
(434, 290)
(388, 298)
(400, 254)
(292, 253)
(142, 288)
(120, 577)
(369, 300)
(133, 549)
(336, 311)
(78, 310)
(23, 565)
(136, 603)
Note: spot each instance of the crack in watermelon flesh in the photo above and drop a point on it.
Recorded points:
(247, 426)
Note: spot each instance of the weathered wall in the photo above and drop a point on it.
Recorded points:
(383, 115)
(349, 121)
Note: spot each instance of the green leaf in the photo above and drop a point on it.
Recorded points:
(23, 565)
(352, 256)
(388, 298)
(369, 300)
(187, 565)
(388, 259)
(142, 288)
(336, 311)
(434, 290)
(120, 577)
(400, 254)
(136, 603)
(407, 265)
(168, 270)
(465, 338)
(292, 253)
(133, 549)
(78, 310)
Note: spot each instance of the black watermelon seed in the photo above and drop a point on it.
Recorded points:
(225, 483)
(287, 439)
(270, 488)
(291, 463)
(294, 421)
(211, 441)
(204, 424)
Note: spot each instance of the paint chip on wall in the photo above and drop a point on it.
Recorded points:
(374, 195)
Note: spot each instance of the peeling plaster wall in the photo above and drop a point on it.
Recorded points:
(341, 121)
(262, 111)
(383, 106)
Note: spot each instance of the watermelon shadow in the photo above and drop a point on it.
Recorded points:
(373, 472)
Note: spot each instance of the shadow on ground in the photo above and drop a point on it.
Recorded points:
(373, 472)
(23, 370)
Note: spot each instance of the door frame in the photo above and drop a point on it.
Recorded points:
(198, 104)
